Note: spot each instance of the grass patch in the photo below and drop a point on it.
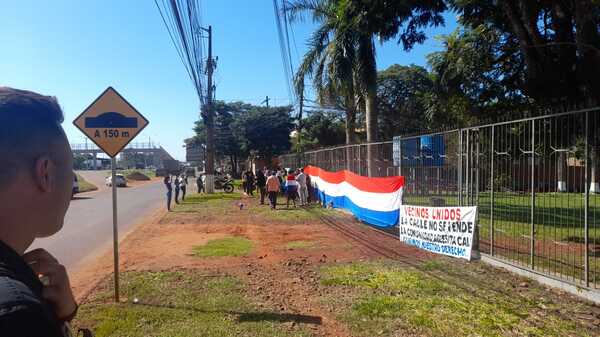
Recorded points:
(179, 304)
(392, 299)
(84, 185)
(231, 246)
(301, 244)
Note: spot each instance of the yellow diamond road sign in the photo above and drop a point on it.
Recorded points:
(111, 122)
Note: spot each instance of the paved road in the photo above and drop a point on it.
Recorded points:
(87, 230)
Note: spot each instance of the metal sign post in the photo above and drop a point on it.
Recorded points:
(113, 184)
(111, 123)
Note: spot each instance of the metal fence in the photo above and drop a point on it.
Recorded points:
(535, 182)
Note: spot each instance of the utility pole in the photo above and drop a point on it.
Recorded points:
(209, 121)
(266, 101)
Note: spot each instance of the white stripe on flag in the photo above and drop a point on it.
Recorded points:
(382, 202)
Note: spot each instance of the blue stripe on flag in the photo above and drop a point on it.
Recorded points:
(377, 218)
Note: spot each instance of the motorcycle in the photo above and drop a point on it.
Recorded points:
(224, 183)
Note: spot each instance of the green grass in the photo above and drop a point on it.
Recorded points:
(440, 300)
(237, 184)
(180, 304)
(231, 246)
(301, 244)
(84, 185)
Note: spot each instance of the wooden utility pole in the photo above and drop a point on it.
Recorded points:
(210, 120)
(266, 101)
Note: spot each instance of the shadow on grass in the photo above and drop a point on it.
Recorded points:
(275, 317)
(247, 316)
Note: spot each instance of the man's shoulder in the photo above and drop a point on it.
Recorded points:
(15, 297)
(22, 313)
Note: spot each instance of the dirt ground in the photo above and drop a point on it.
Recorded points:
(279, 275)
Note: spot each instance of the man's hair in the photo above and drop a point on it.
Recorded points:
(29, 126)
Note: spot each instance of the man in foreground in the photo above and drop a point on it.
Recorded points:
(36, 181)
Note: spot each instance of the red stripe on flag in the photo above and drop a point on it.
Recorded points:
(365, 184)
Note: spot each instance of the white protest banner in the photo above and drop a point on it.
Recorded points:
(442, 230)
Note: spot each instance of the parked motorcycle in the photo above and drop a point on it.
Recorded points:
(224, 183)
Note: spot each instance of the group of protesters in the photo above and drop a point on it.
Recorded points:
(293, 184)
(180, 182)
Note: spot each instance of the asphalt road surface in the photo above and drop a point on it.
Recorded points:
(87, 229)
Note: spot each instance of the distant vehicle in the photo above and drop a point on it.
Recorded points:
(75, 184)
(120, 180)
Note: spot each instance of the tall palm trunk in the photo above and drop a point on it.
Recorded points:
(369, 78)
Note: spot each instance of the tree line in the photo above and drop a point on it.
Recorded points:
(505, 57)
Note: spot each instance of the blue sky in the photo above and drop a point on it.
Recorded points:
(75, 49)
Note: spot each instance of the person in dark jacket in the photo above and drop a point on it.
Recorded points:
(177, 183)
(169, 187)
(261, 182)
(249, 183)
(36, 173)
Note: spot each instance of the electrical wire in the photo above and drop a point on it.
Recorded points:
(183, 21)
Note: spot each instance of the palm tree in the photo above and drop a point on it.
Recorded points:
(341, 54)
(329, 61)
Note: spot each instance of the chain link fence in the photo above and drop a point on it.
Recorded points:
(536, 182)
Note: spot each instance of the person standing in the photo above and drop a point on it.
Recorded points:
(169, 186)
(36, 186)
(183, 185)
(291, 189)
(261, 182)
(249, 183)
(200, 183)
(177, 182)
(302, 188)
(273, 188)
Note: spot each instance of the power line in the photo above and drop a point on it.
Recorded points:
(182, 19)
(284, 48)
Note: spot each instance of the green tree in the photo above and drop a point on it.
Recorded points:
(559, 42)
(265, 131)
(401, 94)
(227, 145)
(357, 22)
(476, 78)
(322, 129)
(330, 62)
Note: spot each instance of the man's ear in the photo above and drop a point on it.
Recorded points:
(44, 174)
